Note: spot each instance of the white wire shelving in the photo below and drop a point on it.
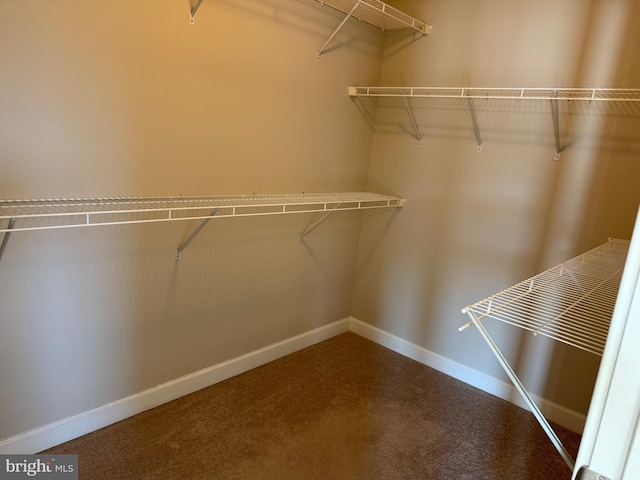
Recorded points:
(575, 94)
(402, 97)
(571, 303)
(373, 12)
(47, 214)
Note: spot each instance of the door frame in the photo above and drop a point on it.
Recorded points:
(610, 446)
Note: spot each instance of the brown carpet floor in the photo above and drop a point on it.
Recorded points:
(343, 409)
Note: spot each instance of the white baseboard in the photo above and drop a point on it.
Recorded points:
(552, 411)
(47, 436)
(52, 434)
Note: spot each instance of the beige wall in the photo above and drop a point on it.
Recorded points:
(118, 97)
(476, 223)
(125, 98)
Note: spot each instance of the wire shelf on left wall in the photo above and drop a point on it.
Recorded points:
(48, 214)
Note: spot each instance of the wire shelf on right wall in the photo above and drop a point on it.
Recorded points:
(572, 303)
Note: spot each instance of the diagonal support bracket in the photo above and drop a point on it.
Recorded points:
(349, 15)
(5, 239)
(472, 111)
(324, 217)
(522, 390)
(556, 123)
(194, 10)
(194, 233)
(412, 118)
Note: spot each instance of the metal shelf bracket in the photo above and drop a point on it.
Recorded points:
(556, 124)
(474, 120)
(335, 32)
(194, 10)
(194, 233)
(413, 120)
(324, 217)
(5, 238)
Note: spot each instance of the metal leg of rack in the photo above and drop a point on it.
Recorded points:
(523, 391)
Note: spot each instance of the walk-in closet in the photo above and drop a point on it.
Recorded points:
(304, 204)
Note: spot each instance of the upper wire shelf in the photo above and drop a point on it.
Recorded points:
(80, 212)
(378, 14)
(375, 13)
(572, 302)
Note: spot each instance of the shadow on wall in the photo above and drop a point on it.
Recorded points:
(582, 125)
(477, 223)
(597, 195)
(303, 16)
(594, 195)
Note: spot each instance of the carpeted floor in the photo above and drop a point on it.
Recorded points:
(343, 409)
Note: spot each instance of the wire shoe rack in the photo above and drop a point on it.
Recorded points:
(572, 303)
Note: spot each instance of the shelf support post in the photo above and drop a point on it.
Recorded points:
(523, 391)
(412, 118)
(556, 123)
(474, 120)
(5, 239)
(324, 217)
(194, 233)
(322, 49)
(194, 10)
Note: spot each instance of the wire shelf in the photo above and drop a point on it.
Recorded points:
(378, 14)
(574, 94)
(572, 302)
(411, 98)
(80, 212)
